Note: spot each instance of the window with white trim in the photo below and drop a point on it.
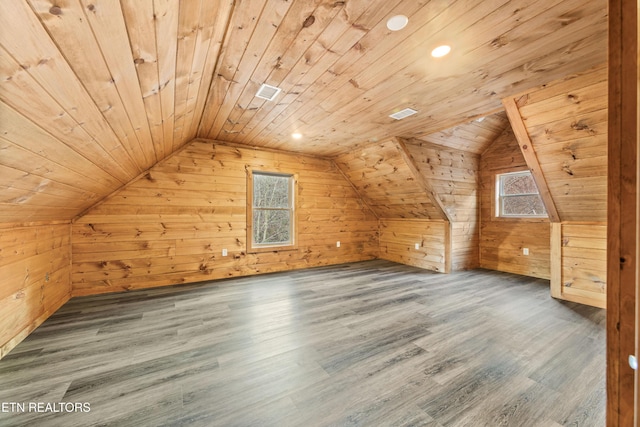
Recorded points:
(517, 196)
(271, 210)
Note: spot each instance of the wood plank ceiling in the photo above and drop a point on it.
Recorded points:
(94, 92)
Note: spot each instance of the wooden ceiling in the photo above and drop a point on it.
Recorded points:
(94, 92)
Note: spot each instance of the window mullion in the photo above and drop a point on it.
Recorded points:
(275, 228)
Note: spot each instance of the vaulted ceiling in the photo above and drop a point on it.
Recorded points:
(94, 92)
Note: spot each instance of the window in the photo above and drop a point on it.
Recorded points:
(517, 196)
(271, 211)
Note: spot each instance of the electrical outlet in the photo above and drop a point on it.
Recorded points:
(417, 245)
(224, 252)
(338, 244)
(525, 251)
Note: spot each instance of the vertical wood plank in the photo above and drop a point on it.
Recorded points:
(447, 247)
(211, 30)
(622, 230)
(140, 22)
(75, 39)
(222, 14)
(249, 207)
(107, 22)
(556, 260)
(166, 14)
(188, 23)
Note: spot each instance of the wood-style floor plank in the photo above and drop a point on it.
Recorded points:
(364, 344)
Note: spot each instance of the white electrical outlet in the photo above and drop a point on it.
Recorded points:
(338, 244)
(224, 252)
(417, 245)
(525, 251)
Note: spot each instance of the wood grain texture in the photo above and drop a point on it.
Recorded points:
(170, 226)
(471, 137)
(381, 175)
(581, 263)
(96, 82)
(349, 84)
(530, 157)
(567, 123)
(465, 245)
(112, 87)
(421, 180)
(571, 154)
(399, 237)
(362, 344)
(35, 266)
(454, 176)
(555, 263)
(622, 212)
(584, 263)
(502, 239)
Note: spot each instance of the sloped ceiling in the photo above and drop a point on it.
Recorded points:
(94, 92)
(567, 123)
(384, 180)
(473, 137)
(395, 177)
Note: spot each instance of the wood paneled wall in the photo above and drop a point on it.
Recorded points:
(385, 181)
(453, 175)
(94, 92)
(579, 262)
(35, 266)
(170, 226)
(567, 123)
(398, 238)
(465, 245)
(501, 239)
(401, 185)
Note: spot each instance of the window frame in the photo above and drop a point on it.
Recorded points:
(253, 247)
(498, 201)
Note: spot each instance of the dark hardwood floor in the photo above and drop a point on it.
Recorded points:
(365, 344)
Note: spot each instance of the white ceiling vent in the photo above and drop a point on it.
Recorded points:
(404, 113)
(268, 92)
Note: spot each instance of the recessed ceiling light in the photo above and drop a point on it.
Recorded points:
(268, 92)
(398, 22)
(403, 113)
(440, 51)
(296, 135)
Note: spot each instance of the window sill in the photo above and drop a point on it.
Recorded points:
(262, 249)
(519, 219)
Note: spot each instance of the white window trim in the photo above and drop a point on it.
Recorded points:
(253, 247)
(498, 205)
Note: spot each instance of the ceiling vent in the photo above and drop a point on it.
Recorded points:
(404, 113)
(268, 92)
